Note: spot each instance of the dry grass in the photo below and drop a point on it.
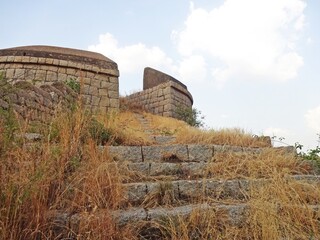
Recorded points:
(279, 206)
(66, 172)
(245, 165)
(186, 134)
(125, 129)
(232, 137)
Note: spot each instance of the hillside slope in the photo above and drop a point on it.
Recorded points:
(133, 175)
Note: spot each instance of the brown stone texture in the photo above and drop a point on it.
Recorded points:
(36, 103)
(97, 74)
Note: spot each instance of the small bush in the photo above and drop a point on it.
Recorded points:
(73, 84)
(192, 116)
(99, 133)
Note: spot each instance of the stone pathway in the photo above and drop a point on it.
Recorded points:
(175, 181)
(156, 138)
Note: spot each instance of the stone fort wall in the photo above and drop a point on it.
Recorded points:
(40, 65)
(162, 94)
(45, 66)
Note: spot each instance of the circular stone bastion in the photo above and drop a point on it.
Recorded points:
(97, 74)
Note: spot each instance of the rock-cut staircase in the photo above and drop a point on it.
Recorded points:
(174, 181)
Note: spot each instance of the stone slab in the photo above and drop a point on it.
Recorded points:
(168, 153)
(126, 153)
(198, 153)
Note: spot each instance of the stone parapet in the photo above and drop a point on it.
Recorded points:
(97, 75)
(163, 99)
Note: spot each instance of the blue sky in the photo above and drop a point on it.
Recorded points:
(252, 64)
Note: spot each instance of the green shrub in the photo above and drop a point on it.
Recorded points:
(99, 133)
(73, 84)
(192, 116)
(312, 154)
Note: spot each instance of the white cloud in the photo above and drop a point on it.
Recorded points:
(280, 136)
(132, 58)
(277, 132)
(192, 68)
(253, 39)
(312, 118)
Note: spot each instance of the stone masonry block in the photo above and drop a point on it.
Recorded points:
(71, 71)
(9, 73)
(41, 60)
(25, 59)
(157, 169)
(80, 65)
(85, 89)
(55, 62)
(114, 80)
(105, 84)
(63, 63)
(198, 153)
(88, 67)
(3, 58)
(96, 83)
(51, 76)
(104, 101)
(135, 192)
(62, 77)
(10, 59)
(95, 100)
(19, 73)
(17, 59)
(114, 103)
(123, 217)
(191, 189)
(140, 168)
(113, 94)
(49, 61)
(126, 153)
(72, 64)
(190, 169)
(90, 75)
(93, 90)
(168, 153)
(103, 92)
(33, 59)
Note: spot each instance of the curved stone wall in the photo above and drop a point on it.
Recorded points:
(162, 94)
(40, 65)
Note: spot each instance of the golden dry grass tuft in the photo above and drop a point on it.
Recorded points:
(125, 129)
(186, 134)
(246, 165)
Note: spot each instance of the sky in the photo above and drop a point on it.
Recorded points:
(249, 64)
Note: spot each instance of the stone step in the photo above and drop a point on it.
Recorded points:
(179, 152)
(184, 170)
(234, 215)
(162, 140)
(182, 191)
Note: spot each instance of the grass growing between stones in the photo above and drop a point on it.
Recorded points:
(278, 206)
(65, 187)
(43, 183)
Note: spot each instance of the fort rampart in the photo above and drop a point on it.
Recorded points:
(45, 66)
(40, 65)
(162, 94)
